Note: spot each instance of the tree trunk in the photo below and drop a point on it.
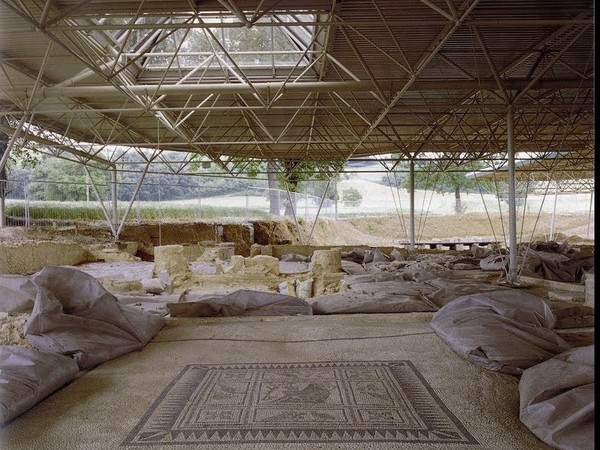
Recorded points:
(274, 204)
(292, 187)
(457, 201)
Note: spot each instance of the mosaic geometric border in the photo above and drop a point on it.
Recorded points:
(332, 402)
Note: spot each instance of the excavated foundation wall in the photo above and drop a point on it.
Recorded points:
(25, 258)
(261, 237)
(149, 236)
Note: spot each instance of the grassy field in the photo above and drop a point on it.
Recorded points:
(383, 211)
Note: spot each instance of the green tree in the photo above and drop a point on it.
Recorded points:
(453, 179)
(296, 171)
(26, 156)
(296, 177)
(56, 179)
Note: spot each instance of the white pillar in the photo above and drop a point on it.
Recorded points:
(590, 213)
(412, 206)
(115, 210)
(511, 276)
(552, 219)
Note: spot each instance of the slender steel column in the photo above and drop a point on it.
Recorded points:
(412, 207)
(552, 220)
(115, 209)
(590, 213)
(511, 276)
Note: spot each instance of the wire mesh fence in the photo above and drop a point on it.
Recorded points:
(28, 205)
(60, 204)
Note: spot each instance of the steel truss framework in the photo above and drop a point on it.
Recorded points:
(445, 81)
(418, 79)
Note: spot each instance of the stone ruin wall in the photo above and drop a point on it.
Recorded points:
(137, 242)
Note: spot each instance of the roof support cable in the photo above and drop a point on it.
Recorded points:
(504, 238)
(503, 97)
(421, 219)
(524, 208)
(527, 248)
(135, 193)
(320, 206)
(487, 212)
(433, 188)
(397, 206)
(100, 202)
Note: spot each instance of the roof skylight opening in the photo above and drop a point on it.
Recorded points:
(268, 43)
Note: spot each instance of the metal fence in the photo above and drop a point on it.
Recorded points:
(27, 205)
(48, 203)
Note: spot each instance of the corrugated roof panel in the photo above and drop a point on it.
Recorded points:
(522, 38)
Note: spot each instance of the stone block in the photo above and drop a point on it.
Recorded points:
(263, 263)
(326, 261)
(172, 260)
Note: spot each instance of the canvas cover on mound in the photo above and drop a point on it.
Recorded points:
(358, 303)
(506, 331)
(74, 315)
(557, 399)
(243, 302)
(28, 376)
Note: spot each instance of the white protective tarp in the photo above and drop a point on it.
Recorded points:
(75, 316)
(359, 303)
(243, 302)
(506, 331)
(28, 376)
(17, 294)
(557, 399)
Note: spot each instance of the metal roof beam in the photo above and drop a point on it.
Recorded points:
(270, 88)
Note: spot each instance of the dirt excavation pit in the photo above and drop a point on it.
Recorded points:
(156, 264)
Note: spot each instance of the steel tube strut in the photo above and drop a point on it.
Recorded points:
(511, 276)
(411, 227)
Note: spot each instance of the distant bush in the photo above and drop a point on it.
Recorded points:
(351, 197)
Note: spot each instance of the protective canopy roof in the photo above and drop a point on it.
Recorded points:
(317, 80)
